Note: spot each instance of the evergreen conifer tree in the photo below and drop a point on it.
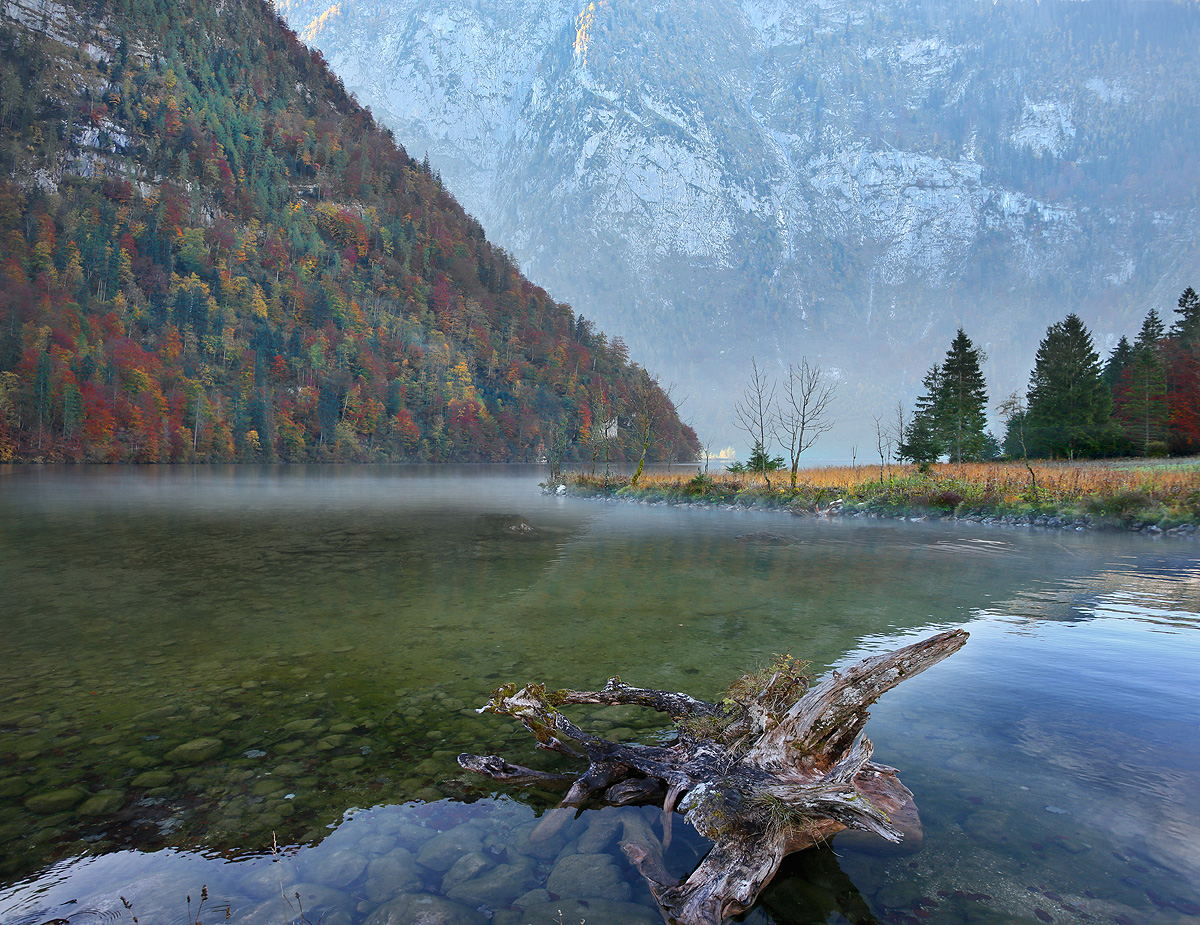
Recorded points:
(1186, 329)
(921, 443)
(1068, 404)
(1140, 397)
(960, 402)
(949, 417)
(1118, 361)
(1153, 331)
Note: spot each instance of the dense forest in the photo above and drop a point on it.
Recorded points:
(209, 252)
(1144, 400)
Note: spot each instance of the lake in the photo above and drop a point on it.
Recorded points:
(238, 693)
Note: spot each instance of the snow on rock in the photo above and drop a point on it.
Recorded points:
(1046, 127)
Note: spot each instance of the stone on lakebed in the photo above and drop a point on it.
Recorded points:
(196, 750)
(424, 909)
(56, 801)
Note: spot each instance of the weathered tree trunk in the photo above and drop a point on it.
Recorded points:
(772, 769)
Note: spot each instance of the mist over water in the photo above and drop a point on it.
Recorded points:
(203, 663)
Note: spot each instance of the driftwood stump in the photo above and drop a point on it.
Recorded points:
(771, 769)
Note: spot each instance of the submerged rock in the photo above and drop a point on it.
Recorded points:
(310, 902)
(507, 525)
(588, 875)
(391, 875)
(152, 779)
(195, 751)
(592, 911)
(467, 867)
(424, 909)
(498, 886)
(270, 879)
(601, 832)
(13, 787)
(103, 803)
(55, 801)
(338, 868)
(988, 824)
(442, 851)
(545, 847)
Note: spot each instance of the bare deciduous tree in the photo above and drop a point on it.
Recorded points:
(804, 410)
(755, 414)
(899, 429)
(883, 443)
(1014, 414)
(602, 432)
(648, 402)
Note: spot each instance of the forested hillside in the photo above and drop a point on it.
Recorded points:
(210, 252)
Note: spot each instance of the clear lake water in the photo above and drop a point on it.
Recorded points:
(237, 694)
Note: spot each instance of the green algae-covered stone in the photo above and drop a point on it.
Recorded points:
(103, 803)
(152, 779)
(55, 801)
(196, 751)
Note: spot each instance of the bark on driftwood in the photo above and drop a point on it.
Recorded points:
(772, 769)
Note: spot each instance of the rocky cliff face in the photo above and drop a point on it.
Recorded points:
(718, 178)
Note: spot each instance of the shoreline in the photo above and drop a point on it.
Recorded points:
(1053, 522)
(1077, 497)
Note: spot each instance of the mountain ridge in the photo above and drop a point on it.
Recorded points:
(819, 172)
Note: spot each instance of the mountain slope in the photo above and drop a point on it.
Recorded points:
(211, 252)
(722, 178)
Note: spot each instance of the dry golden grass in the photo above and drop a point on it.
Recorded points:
(1154, 491)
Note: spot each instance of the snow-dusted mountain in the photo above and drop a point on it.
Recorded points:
(713, 179)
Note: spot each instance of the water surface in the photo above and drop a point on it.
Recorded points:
(257, 680)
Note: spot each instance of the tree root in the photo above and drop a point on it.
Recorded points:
(772, 769)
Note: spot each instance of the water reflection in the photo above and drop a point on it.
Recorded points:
(202, 661)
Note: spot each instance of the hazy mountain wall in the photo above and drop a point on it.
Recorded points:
(717, 179)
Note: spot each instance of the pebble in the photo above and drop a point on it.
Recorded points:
(195, 751)
(152, 779)
(55, 801)
(104, 803)
(13, 787)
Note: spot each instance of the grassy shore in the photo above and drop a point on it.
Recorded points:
(1153, 495)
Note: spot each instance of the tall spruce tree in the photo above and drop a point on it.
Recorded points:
(1069, 405)
(1181, 354)
(1186, 329)
(1140, 397)
(1153, 331)
(949, 417)
(961, 402)
(1118, 361)
(921, 442)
